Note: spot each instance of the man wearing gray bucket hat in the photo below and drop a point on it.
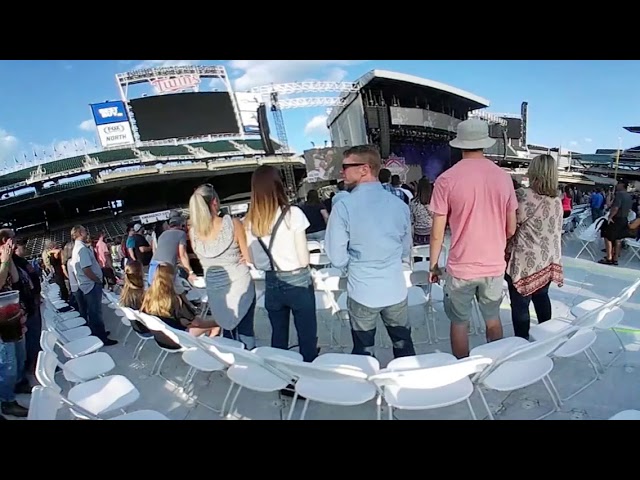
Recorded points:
(476, 198)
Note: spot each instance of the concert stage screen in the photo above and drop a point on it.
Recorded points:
(433, 158)
(183, 115)
(324, 164)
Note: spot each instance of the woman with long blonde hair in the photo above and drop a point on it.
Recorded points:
(162, 301)
(534, 253)
(132, 293)
(276, 232)
(220, 244)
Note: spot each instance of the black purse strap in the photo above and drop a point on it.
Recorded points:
(266, 249)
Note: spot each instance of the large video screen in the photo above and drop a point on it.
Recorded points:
(433, 158)
(181, 115)
(324, 164)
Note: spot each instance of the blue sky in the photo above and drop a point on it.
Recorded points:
(581, 105)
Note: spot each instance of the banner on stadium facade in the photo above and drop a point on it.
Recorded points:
(115, 134)
(248, 104)
(155, 217)
(109, 112)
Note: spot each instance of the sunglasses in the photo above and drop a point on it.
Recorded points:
(349, 165)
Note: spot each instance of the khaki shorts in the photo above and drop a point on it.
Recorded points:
(459, 295)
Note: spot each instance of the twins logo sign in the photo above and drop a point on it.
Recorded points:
(109, 112)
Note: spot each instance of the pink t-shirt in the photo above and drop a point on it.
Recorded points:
(102, 253)
(476, 195)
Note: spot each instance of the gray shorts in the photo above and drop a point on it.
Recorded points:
(459, 295)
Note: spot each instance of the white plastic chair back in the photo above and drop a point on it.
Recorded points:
(46, 370)
(531, 351)
(314, 245)
(298, 369)
(610, 318)
(433, 377)
(246, 357)
(323, 301)
(334, 283)
(48, 341)
(627, 293)
(44, 405)
(416, 296)
(421, 266)
(129, 313)
(153, 323)
(590, 233)
(595, 316)
(418, 278)
(422, 251)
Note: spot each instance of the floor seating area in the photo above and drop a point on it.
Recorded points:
(568, 359)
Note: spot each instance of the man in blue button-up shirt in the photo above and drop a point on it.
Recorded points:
(369, 233)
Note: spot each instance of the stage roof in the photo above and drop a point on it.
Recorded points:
(465, 101)
(369, 79)
(632, 129)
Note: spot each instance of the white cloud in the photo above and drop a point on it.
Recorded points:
(8, 148)
(588, 140)
(573, 143)
(316, 126)
(87, 125)
(251, 73)
(164, 63)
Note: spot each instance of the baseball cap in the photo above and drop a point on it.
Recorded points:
(137, 227)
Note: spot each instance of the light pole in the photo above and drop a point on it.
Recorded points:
(615, 174)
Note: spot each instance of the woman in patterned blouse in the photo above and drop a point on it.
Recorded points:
(534, 256)
(421, 219)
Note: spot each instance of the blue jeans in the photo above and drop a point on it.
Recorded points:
(90, 308)
(520, 316)
(363, 327)
(292, 292)
(32, 337)
(12, 358)
(244, 331)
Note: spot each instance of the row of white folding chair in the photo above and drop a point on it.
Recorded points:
(588, 315)
(264, 353)
(590, 318)
(102, 396)
(47, 401)
(335, 379)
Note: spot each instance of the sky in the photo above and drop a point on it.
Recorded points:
(581, 105)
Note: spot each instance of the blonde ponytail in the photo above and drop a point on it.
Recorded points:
(200, 215)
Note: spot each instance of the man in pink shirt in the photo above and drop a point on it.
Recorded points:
(478, 201)
(103, 256)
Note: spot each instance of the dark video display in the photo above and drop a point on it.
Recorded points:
(182, 115)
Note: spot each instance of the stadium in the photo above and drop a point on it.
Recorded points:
(146, 163)
(156, 145)
(166, 135)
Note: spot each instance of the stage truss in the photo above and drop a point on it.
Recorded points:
(272, 94)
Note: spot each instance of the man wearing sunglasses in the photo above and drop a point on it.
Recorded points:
(369, 234)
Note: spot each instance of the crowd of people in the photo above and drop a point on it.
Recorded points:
(369, 229)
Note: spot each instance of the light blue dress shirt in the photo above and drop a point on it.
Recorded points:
(369, 234)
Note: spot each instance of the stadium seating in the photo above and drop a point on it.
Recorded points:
(220, 146)
(166, 150)
(114, 155)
